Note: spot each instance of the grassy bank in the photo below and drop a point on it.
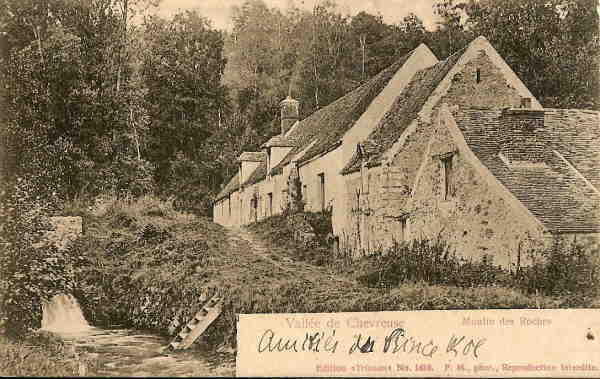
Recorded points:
(146, 265)
(41, 354)
(565, 274)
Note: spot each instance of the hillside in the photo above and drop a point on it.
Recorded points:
(144, 264)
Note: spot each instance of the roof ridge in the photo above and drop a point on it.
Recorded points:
(369, 81)
(593, 111)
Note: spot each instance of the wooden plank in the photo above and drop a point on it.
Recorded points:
(195, 327)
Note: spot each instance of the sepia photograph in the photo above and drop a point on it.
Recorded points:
(315, 188)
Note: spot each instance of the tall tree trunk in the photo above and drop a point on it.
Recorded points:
(135, 135)
(122, 44)
(363, 44)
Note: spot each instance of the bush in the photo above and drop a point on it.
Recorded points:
(41, 354)
(322, 226)
(133, 176)
(564, 269)
(32, 270)
(430, 262)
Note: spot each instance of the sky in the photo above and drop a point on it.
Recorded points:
(392, 10)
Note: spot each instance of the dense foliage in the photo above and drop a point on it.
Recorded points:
(103, 97)
(32, 270)
(42, 354)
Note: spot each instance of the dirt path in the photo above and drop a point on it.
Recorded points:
(240, 237)
(246, 241)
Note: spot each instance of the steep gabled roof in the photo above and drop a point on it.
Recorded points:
(326, 127)
(555, 193)
(404, 110)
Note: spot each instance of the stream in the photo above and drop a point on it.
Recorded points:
(126, 352)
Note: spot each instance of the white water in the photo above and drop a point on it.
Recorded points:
(62, 314)
(126, 352)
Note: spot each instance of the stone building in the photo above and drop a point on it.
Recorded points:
(457, 149)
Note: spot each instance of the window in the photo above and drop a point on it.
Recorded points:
(478, 75)
(403, 230)
(322, 190)
(448, 177)
(270, 195)
(229, 204)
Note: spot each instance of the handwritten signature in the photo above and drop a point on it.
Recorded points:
(398, 341)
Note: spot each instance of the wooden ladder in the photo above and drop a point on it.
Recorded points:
(197, 325)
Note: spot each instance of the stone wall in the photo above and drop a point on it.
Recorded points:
(476, 222)
(494, 90)
(476, 219)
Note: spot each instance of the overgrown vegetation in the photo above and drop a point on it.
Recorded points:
(564, 271)
(279, 230)
(148, 264)
(145, 265)
(431, 262)
(31, 271)
(41, 354)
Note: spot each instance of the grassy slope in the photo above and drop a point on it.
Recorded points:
(146, 264)
(40, 354)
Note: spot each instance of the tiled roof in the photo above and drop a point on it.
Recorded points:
(232, 186)
(404, 110)
(322, 131)
(257, 175)
(576, 133)
(252, 157)
(553, 192)
(278, 141)
(327, 126)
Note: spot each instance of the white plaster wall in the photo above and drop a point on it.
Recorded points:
(330, 164)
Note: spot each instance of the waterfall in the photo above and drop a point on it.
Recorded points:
(62, 314)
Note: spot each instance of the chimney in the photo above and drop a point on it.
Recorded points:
(289, 113)
(525, 140)
(523, 119)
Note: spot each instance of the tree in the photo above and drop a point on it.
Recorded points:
(68, 121)
(182, 70)
(368, 30)
(551, 45)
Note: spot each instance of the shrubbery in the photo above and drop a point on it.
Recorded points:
(279, 230)
(31, 270)
(42, 354)
(564, 269)
(430, 262)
